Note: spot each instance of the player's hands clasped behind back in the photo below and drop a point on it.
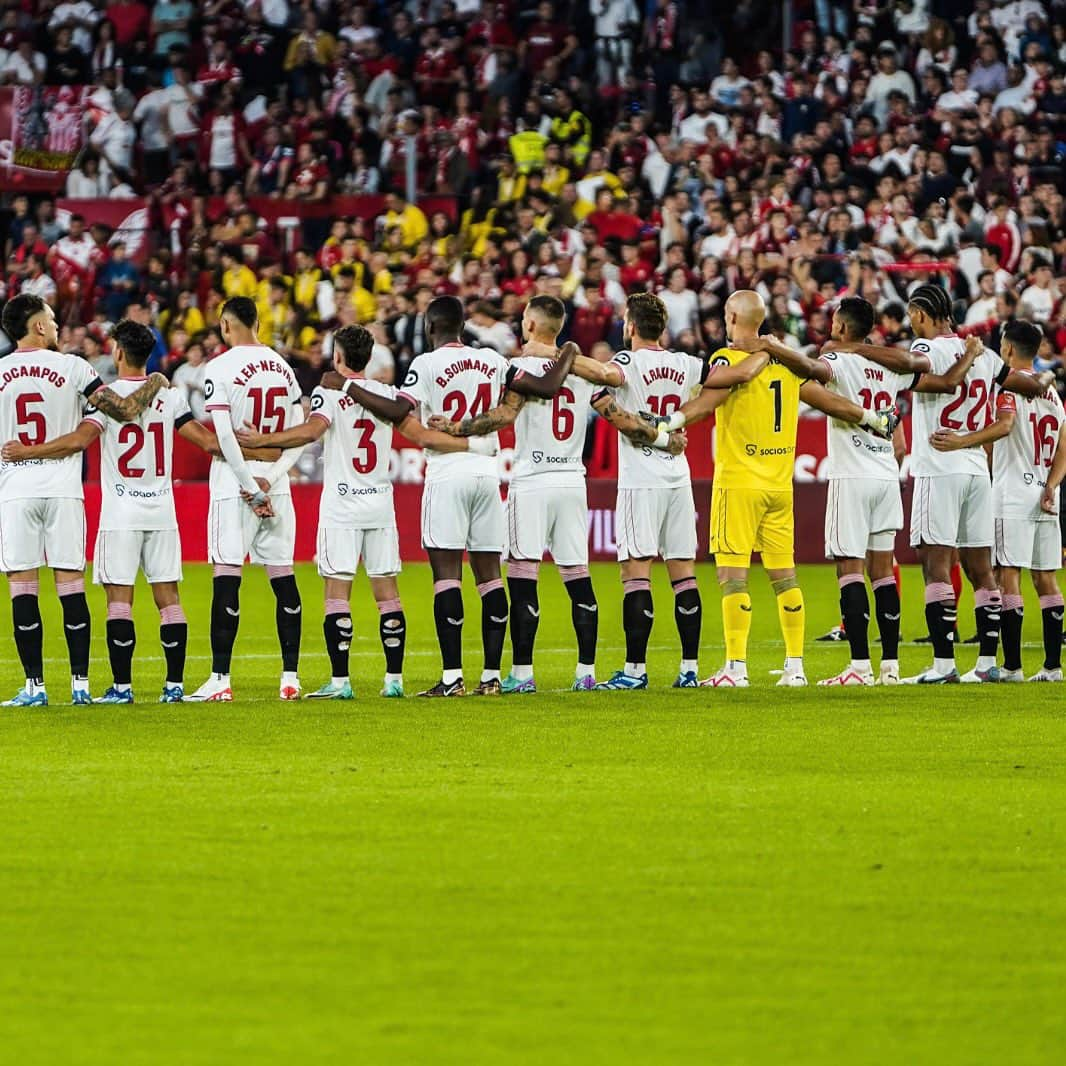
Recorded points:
(262, 509)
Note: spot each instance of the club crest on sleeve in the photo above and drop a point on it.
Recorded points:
(209, 389)
(622, 359)
(317, 401)
(411, 379)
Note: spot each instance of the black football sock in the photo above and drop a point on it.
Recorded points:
(525, 617)
(448, 616)
(988, 612)
(1051, 621)
(887, 606)
(29, 633)
(493, 622)
(1011, 621)
(585, 614)
(77, 627)
(337, 629)
(174, 637)
(392, 628)
(688, 615)
(855, 611)
(940, 616)
(225, 619)
(638, 614)
(288, 615)
(121, 640)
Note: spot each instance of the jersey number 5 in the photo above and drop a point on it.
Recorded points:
(31, 424)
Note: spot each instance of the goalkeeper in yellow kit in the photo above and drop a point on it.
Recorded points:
(751, 503)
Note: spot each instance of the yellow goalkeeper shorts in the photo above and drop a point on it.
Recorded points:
(749, 520)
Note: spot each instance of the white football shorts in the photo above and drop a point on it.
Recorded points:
(35, 533)
(554, 520)
(120, 553)
(655, 522)
(952, 510)
(339, 550)
(464, 514)
(861, 514)
(1028, 544)
(235, 533)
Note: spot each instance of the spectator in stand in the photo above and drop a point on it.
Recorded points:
(171, 20)
(82, 16)
(118, 280)
(131, 21)
(24, 65)
(1041, 296)
(37, 282)
(190, 376)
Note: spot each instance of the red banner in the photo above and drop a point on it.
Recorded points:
(129, 218)
(42, 130)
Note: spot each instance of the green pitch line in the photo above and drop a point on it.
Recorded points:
(754, 876)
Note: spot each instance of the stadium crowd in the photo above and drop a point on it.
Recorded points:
(591, 150)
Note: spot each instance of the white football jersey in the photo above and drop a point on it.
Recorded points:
(658, 381)
(357, 448)
(42, 394)
(457, 382)
(1022, 459)
(853, 450)
(550, 434)
(966, 410)
(255, 385)
(136, 465)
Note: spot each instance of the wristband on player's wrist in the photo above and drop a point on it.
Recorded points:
(662, 440)
(259, 499)
(675, 422)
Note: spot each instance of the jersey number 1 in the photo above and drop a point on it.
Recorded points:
(775, 388)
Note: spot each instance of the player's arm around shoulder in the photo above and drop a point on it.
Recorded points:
(946, 380)
(898, 360)
(730, 367)
(612, 374)
(796, 363)
(127, 408)
(547, 385)
(61, 448)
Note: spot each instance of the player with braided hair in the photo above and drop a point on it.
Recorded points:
(952, 503)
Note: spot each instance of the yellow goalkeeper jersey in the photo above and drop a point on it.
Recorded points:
(755, 430)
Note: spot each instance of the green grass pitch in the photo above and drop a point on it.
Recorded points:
(769, 876)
